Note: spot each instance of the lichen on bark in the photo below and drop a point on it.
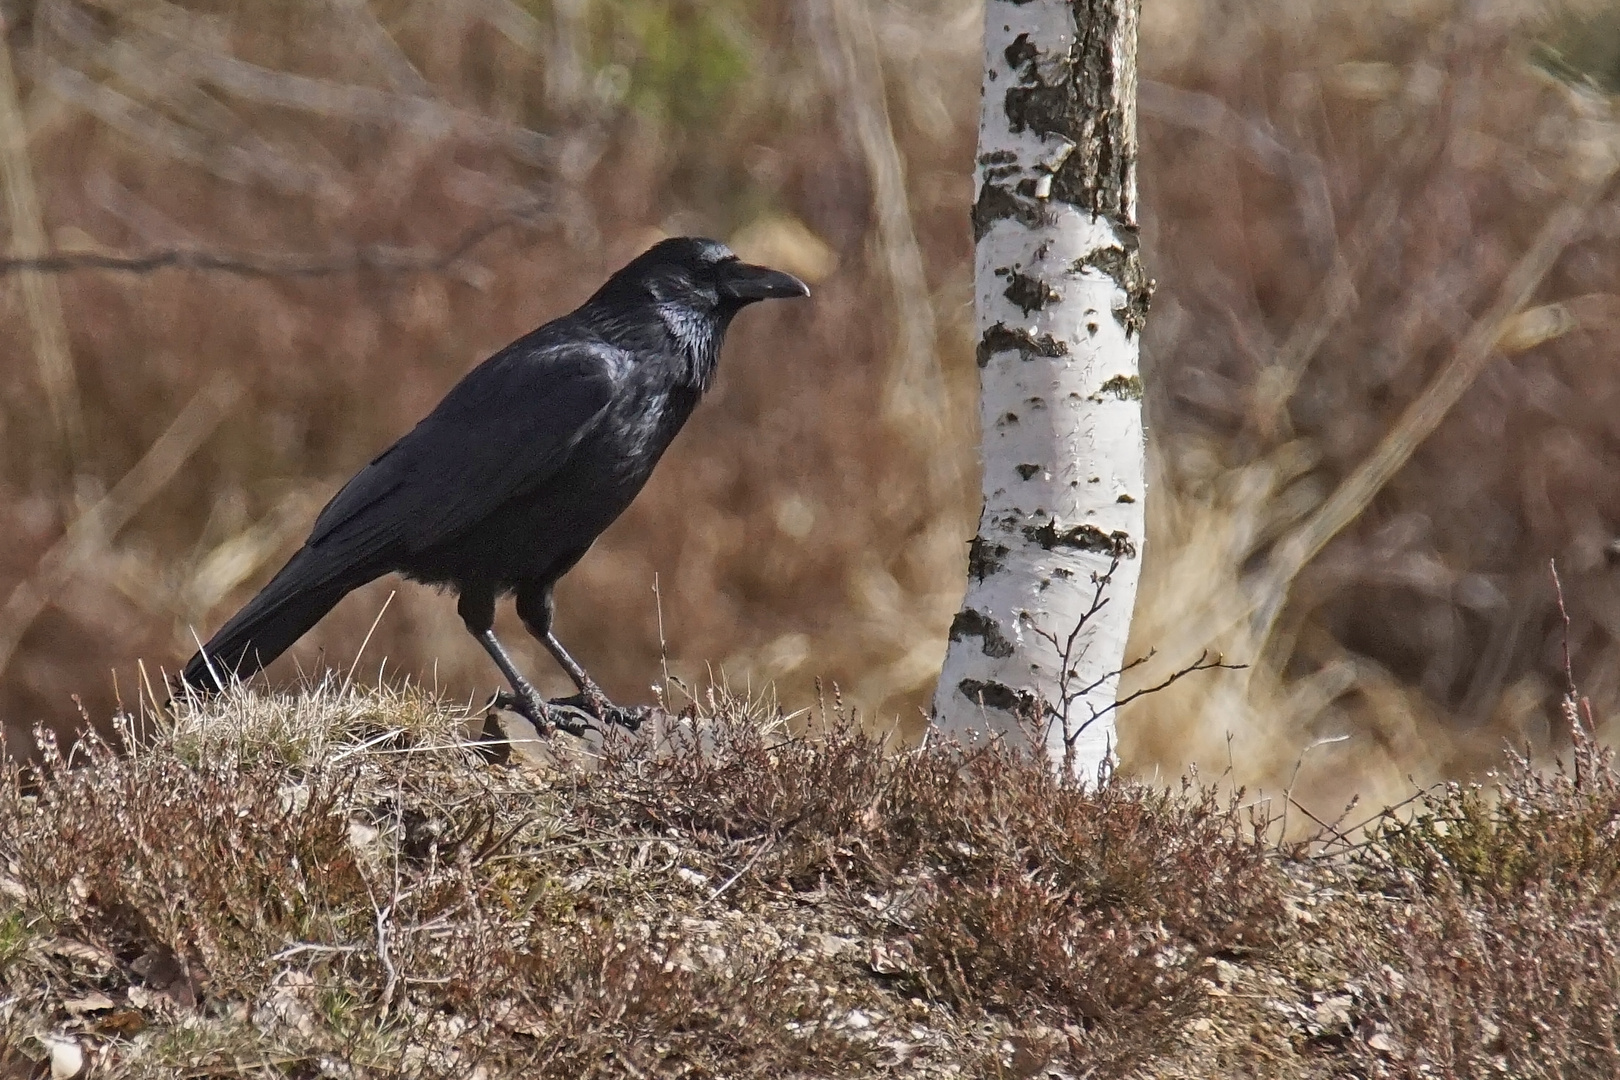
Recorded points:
(1078, 93)
(1123, 265)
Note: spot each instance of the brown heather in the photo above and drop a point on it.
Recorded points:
(273, 885)
(340, 883)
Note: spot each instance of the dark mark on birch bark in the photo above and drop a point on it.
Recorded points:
(1001, 338)
(1123, 266)
(1124, 387)
(1029, 293)
(996, 201)
(985, 557)
(1074, 96)
(971, 623)
(1084, 537)
(996, 695)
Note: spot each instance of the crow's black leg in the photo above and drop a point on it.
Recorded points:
(477, 610)
(526, 701)
(535, 607)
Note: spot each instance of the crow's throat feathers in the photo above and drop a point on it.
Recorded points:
(697, 338)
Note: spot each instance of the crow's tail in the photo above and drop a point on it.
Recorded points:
(295, 600)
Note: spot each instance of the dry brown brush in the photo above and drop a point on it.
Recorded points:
(1500, 951)
(341, 883)
(344, 878)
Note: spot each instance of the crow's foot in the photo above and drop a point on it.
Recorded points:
(545, 715)
(629, 717)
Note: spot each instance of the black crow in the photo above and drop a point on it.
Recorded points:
(507, 483)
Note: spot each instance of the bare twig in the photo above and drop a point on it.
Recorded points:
(423, 115)
(236, 163)
(391, 976)
(765, 845)
(305, 947)
(170, 44)
(1335, 295)
(391, 59)
(1563, 613)
(1260, 142)
(1574, 706)
(1288, 792)
(379, 258)
(1262, 601)
(513, 23)
(1070, 650)
(1203, 663)
(1388, 812)
(1326, 827)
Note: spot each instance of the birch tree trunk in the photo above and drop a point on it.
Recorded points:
(1061, 298)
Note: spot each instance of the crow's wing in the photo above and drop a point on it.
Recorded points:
(501, 432)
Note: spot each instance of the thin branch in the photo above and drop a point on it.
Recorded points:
(1203, 663)
(1264, 597)
(1388, 812)
(1085, 691)
(380, 258)
(395, 65)
(149, 127)
(768, 843)
(1260, 142)
(1563, 614)
(305, 947)
(1561, 229)
(1325, 846)
(1288, 792)
(323, 97)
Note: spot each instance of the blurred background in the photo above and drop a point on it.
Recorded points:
(1336, 198)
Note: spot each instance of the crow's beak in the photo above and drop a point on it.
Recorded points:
(745, 282)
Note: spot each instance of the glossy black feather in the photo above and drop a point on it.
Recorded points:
(505, 485)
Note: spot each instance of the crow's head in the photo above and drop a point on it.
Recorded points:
(683, 290)
(704, 277)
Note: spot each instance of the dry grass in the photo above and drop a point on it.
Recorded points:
(276, 884)
(1380, 405)
(340, 884)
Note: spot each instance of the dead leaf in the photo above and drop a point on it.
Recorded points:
(69, 949)
(124, 1022)
(1533, 326)
(94, 1001)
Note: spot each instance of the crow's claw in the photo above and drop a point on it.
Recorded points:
(544, 715)
(629, 717)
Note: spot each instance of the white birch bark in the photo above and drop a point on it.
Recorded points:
(1060, 297)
